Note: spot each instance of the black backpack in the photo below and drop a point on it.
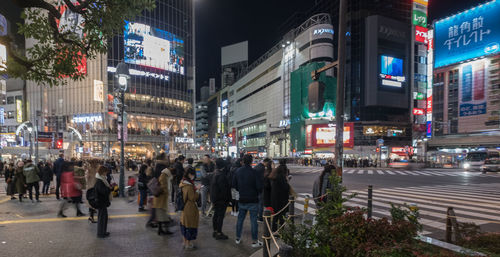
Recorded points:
(91, 197)
(179, 200)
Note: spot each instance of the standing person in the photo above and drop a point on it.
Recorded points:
(20, 180)
(235, 195)
(160, 202)
(260, 168)
(58, 169)
(162, 163)
(31, 172)
(322, 184)
(280, 190)
(90, 178)
(206, 174)
(266, 192)
(143, 184)
(10, 181)
(47, 177)
(190, 215)
(220, 196)
(179, 173)
(102, 191)
(249, 185)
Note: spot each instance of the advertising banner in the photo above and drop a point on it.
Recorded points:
(421, 34)
(19, 110)
(98, 91)
(473, 96)
(323, 135)
(2, 115)
(467, 35)
(419, 18)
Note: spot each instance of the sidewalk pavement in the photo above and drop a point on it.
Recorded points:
(32, 229)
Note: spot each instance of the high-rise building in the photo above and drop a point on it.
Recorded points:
(202, 118)
(158, 48)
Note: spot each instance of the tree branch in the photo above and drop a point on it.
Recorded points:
(39, 4)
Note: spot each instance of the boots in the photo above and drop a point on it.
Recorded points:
(161, 231)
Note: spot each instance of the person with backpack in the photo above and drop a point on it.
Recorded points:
(31, 172)
(220, 196)
(322, 184)
(235, 195)
(102, 201)
(206, 176)
(190, 215)
(160, 202)
(249, 185)
(90, 180)
(162, 162)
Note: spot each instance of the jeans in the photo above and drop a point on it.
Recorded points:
(218, 218)
(204, 198)
(143, 194)
(253, 209)
(260, 210)
(45, 188)
(36, 185)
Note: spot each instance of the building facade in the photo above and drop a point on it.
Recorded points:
(158, 49)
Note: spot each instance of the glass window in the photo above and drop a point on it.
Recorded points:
(10, 115)
(10, 100)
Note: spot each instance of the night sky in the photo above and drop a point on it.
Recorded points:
(224, 22)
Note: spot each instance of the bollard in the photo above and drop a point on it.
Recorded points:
(370, 189)
(267, 234)
(285, 251)
(306, 205)
(291, 208)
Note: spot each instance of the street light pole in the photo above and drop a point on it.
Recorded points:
(339, 114)
(122, 73)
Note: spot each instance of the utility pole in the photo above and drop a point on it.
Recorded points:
(339, 114)
(122, 147)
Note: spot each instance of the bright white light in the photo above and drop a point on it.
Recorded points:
(391, 83)
(122, 81)
(466, 165)
(287, 42)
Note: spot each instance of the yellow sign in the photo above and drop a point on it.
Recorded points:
(19, 110)
(422, 2)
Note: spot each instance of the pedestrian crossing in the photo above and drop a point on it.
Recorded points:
(472, 203)
(392, 172)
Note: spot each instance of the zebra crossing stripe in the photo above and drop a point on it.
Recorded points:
(421, 173)
(469, 190)
(411, 173)
(432, 173)
(351, 171)
(400, 172)
(426, 204)
(431, 193)
(360, 171)
(390, 172)
(370, 172)
(380, 172)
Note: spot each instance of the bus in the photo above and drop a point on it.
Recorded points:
(474, 160)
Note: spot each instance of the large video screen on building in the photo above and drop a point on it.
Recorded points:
(152, 47)
(391, 71)
(468, 35)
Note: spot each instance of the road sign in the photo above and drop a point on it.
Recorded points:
(380, 142)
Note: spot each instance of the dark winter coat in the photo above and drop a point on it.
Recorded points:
(47, 174)
(20, 180)
(248, 182)
(102, 194)
(143, 181)
(280, 191)
(220, 188)
(206, 173)
(159, 167)
(58, 167)
(266, 192)
(179, 172)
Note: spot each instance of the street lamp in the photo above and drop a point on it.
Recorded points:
(123, 75)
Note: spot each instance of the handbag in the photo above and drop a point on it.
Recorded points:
(154, 187)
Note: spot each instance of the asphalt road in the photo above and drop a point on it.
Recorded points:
(474, 196)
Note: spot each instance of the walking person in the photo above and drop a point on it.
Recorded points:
(249, 185)
(47, 177)
(190, 215)
(235, 195)
(10, 181)
(31, 172)
(160, 202)
(102, 191)
(322, 184)
(58, 169)
(71, 191)
(279, 194)
(206, 171)
(220, 196)
(20, 180)
(143, 184)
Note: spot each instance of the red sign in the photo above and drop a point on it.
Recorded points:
(418, 111)
(421, 34)
(429, 104)
(323, 135)
(308, 151)
(59, 144)
(111, 107)
(398, 150)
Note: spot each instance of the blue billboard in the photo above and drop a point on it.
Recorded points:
(467, 35)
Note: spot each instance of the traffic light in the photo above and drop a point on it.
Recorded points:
(59, 144)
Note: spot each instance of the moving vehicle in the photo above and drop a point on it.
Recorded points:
(474, 160)
(491, 165)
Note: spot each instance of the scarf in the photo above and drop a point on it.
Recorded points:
(98, 176)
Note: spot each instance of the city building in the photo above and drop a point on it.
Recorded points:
(202, 118)
(159, 98)
(465, 107)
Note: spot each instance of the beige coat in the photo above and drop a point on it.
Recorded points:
(190, 215)
(161, 201)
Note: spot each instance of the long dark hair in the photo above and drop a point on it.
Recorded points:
(268, 169)
(280, 171)
(328, 169)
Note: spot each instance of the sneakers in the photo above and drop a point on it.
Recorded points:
(235, 213)
(237, 241)
(257, 244)
(141, 209)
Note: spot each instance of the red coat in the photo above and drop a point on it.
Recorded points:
(69, 187)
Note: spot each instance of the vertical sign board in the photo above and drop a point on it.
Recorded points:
(472, 91)
(419, 18)
(430, 61)
(19, 110)
(2, 115)
(98, 91)
(467, 35)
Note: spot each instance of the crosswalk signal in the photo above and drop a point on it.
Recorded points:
(59, 144)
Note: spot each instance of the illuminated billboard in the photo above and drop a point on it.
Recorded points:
(391, 71)
(468, 35)
(323, 135)
(151, 47)
(3, 57)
